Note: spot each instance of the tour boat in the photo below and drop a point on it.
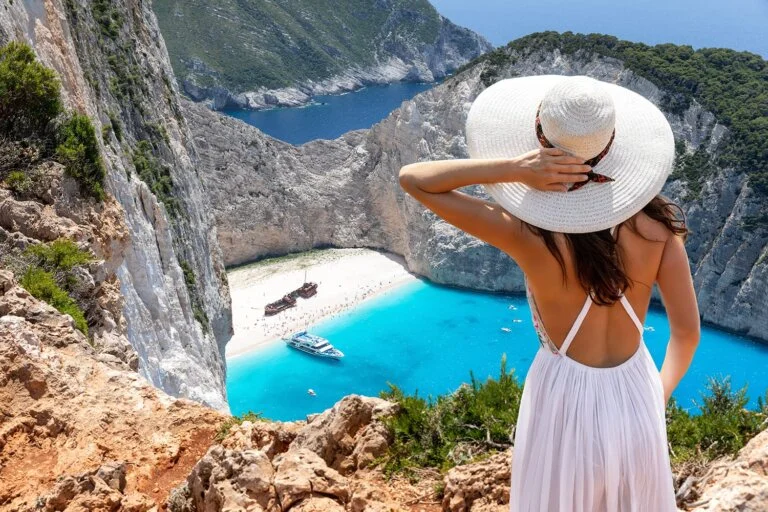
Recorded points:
(313, 344)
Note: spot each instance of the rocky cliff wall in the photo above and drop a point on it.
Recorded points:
(272, 198)
(174, 296)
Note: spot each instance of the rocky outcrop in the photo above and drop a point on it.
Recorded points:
(740, 483)
(362, 43)
(82, 432)
(479, 486)
(316, 464)
(168, 292)
(270, 198)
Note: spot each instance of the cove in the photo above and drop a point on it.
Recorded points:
(329, 117)
(425, 337)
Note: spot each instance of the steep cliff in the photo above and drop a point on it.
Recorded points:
(173, 302)
(270, 198)
(262, 54)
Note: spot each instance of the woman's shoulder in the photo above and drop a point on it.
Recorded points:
(650, 229)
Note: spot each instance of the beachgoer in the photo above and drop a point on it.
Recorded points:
(571, 162)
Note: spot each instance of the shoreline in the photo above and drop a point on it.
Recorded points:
(345, 278)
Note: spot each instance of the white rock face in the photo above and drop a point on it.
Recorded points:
(271, 198)
(176, 353)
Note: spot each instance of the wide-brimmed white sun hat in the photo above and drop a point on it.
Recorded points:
(624, 136)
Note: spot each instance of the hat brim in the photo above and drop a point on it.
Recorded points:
(500, 124)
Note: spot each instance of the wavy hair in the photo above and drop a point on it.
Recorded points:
(598, 260)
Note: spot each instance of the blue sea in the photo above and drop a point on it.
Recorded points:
(329, 117)
(736, 24)
(427, 338)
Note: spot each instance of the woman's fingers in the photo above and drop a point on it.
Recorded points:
(568, 159)
(572, 178)
(557, 178)
(557, 187)
(571, 168)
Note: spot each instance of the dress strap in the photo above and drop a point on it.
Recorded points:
(579, 319)
(575, 327)
(632, 314)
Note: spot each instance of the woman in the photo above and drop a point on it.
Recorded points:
(571, 162)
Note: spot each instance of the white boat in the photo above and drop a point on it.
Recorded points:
(313, 344)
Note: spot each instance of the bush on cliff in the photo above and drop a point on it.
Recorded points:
(478, 419)
(78, 150)
(42, 285)
(29, 92)
(48, 276)
(722, 427)
(455, 428)
(33, 127)
(59, 255)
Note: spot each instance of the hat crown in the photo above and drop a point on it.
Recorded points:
(578, 116)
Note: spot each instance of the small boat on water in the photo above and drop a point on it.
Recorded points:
(313, 344)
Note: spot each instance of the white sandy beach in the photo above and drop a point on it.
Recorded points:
(345, 277)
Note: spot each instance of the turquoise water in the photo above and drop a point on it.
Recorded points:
(426, 337)
(331, 116)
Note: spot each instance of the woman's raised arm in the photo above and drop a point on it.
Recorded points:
(433, 184)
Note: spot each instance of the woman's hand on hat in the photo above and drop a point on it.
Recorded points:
(550, 169)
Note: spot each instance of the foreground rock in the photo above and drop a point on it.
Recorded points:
(320, 464)
(481, 486)
(80, 434)
(738, 484)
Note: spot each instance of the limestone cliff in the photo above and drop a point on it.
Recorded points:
(271, 198)
(173, 302)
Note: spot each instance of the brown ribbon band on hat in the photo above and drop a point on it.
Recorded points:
(591, 175)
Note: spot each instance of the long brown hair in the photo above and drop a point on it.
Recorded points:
(598, 260)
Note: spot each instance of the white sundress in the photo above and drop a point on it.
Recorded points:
(590, 439)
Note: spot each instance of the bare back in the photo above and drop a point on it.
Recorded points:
(607, 336)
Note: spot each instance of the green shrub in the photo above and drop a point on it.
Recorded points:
(197, 306)
(116, 126)
(477, 420)
(29, 92)
(42, 285)
(237, 420)
(452, 429)
(18, 182)
(156, 175)
(109, 19)
(59, 255)
(78, 150)
(723, 426)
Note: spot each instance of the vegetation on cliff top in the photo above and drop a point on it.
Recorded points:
(732, 85)
(244, 45)
(478, 419)
(35, 128)
(48, 277)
